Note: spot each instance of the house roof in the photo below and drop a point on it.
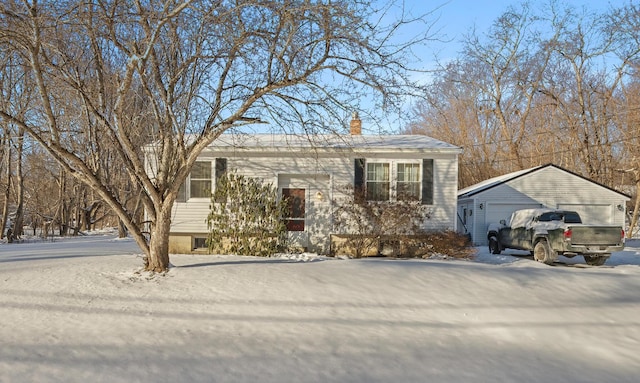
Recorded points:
(496, 181)
(264, 142)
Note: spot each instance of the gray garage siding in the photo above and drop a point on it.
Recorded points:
(545, 186)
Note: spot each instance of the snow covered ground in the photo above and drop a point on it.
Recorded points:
(77, 310)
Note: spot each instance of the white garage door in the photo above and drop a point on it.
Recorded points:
(591, 214)
(497, 211)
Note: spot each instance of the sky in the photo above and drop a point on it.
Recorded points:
(454, 18)
(451, 20)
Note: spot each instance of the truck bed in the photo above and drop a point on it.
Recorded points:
(595, 235)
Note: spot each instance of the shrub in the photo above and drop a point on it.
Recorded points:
(246, 217)
(447, 244)
(363, 224)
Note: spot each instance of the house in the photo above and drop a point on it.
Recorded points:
(315, 169)
(547, 186)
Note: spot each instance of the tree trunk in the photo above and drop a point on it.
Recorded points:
(7, 191)
(158, 258)
(62, 213)
(87, 213)
(122, 229)
(19, 218)
(636, 208)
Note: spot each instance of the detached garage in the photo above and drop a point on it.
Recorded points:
(547, 186)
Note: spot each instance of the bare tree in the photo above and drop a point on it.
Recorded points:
(628, 119)
(450, 112)
(582, 90)
(19, 186)
(6, 190)
(624, 23)
(487, 99)
(175, 75)
(15, 95)
(507, 68)
(537, 88)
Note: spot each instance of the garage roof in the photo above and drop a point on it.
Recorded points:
(496, 181)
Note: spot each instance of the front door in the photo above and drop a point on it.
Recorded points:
(296, 202)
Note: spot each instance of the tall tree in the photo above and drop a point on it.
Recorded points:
(6, 175)
(507, 69)
(171, 76)
(624, 23)
(490, 94)
(450, 112)
(581, 90)
(15, 96)
(19, 186)
(538, 87)
(628, 118)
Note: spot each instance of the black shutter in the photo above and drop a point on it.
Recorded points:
(221, 169)
(358, 179)
(427, 181)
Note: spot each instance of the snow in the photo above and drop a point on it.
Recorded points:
(80, 310)
(523, 218)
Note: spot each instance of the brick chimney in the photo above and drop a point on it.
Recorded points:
(356, 124)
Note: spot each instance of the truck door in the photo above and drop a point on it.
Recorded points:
(514, 233)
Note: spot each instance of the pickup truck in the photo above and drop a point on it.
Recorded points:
(548, 233)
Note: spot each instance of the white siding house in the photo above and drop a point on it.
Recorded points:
(317, 168)
(547, 186)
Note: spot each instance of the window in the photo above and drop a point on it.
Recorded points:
(199, 243)
(295, 208)
(572, 217)
(566, 217)
(182, 193)
(200, 182)
(378, 181)
(408, 182)
(395, 180)
(550, 216)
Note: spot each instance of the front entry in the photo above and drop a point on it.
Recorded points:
(308, 210)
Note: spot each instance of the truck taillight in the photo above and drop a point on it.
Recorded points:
(567, 234)
(622, 235)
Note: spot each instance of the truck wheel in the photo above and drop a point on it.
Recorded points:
(595, 260)
(541, 252)
(494, 245)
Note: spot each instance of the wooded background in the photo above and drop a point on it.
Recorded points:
(551, 84)
(548, 84)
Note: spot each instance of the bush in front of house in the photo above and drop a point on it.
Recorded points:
(390, 228)
(246, 217)
(446, 244)
(365, 228)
